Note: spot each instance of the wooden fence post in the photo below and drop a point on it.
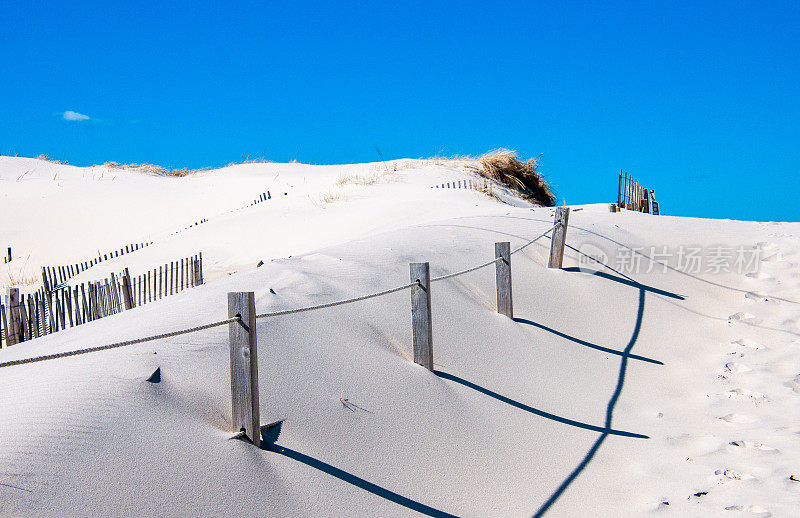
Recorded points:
(244, 365)
(13, 329)
(44, 279)
(87, 311)
(198, 272)
(421, 327)
(33, 321)
(76, 298)
(505, 304)
(559, 238)
(127, 295)
(24, 332)
(93, 295)
(3, 323)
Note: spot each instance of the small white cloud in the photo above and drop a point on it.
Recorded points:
(70, 115)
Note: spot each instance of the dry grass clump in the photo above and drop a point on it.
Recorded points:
(357, 179)
(383, 171)
(49, 159)
(331, 197)
(154, 169)
(251, 160)
(505, 166)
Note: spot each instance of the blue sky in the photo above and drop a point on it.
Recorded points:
(698, 100)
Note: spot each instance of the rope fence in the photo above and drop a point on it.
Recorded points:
(339, 302)
(415, 283)
(242, 337)
(118, 344)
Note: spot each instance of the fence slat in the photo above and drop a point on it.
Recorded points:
(77, 299)
(24, 332)
(244, 365)
(4, 326)
(13, 329)
(126, 290)
(68, 303)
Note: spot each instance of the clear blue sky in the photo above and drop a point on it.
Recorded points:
(698, 100)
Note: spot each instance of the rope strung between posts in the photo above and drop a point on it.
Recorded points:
(118, 344)
(399, 288)
(263, 315)
(536, 238)
(487, 263)
(338, 303)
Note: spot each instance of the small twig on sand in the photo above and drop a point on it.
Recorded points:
(14, 487)
(382, 160)
(350, 405)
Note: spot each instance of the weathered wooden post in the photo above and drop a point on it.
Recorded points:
(198, 272)
(44, 279)
(87, 311)
(421, 328)
(559, 238)
(76, 298)
(505, 305)
(9, 255)
(13, 329)
(127, 294)
(23, 320)
(94, 295)
(34, 316)
(3, 323)
(244, 365)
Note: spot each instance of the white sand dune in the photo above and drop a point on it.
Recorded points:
(635, 390)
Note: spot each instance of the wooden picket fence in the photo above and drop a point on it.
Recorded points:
(53, 276)
(169, 279)
(49, 310)
(474, 185)
(633, 196)
(264, 196)
(242, 317)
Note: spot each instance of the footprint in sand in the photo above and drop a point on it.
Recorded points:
(772, 258)
(661, 505)
(740, 393)
(760, 297)
(738, 419)
(757, 510)
(726, 475)
(741, 446)
(745, 318)
(792, 324)
(746, 342)
(794, 384)
(736, 368)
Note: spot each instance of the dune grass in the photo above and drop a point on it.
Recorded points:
(505, 166)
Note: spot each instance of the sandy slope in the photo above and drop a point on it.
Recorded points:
(704, 365)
